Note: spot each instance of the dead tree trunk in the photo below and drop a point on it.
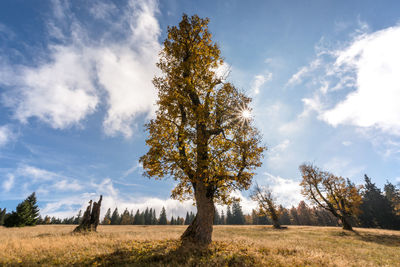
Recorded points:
(91, 217)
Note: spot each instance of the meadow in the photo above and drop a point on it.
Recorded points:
(48, 245)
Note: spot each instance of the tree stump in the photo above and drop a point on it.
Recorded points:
(91, 217)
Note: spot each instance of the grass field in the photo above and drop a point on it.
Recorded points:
(232, 246)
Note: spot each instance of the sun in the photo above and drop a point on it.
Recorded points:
(246, 114)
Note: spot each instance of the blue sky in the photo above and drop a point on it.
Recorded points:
(75, 92)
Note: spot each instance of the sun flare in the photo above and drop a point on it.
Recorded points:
(246, 114)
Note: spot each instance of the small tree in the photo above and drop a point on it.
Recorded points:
(202, 134)
(335, 194)
(34, 210)
(266, 204)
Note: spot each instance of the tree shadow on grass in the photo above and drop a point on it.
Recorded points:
(171, 253)
(382, 239)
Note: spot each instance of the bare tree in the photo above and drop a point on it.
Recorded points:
(266, 204)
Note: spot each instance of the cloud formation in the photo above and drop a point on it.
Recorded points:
(359, 84)
(287, 192)
(85, 69)
(375, 61)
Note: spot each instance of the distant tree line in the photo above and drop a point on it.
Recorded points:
(378, 209)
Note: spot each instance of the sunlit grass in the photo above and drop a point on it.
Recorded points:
(232, 246)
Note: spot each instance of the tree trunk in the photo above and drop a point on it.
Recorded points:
(199, 232)
(90, 218)
(346, 222)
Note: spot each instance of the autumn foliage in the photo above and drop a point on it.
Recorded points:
(335, 194)
(202, 135)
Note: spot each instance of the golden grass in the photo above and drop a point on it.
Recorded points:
(233, 246)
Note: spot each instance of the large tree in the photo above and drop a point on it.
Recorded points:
(202, 135)
(335, 194)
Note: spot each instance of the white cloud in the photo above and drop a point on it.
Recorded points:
(9, 183)
(286, 191)
(60, 93)
(6, 135)
(260, 80)
(65, 185)
(36, 174)
(63, 89)
(375, 60)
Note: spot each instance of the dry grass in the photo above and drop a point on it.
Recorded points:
(232, 246)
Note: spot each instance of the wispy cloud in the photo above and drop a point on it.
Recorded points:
(9, 183)
(259, 81)
(6, 135)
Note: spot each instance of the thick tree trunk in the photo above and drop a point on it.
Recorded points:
(346, 222)
(199, 232)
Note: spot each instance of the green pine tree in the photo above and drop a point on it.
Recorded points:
(34, 210)
(115, 218)
(163, 217)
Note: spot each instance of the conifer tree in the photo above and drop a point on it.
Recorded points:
(78, 217)
(147, 215)
(34, 210)
(187, 219)
(222, 217)
(154, 218)
(163, 217)
(393, 195)
(237, 214)
(26, 214)
(228, 215)
(217, 218)
(107, 217)
(2, 216)
(125, 218)
(377, 210)
(115, 218)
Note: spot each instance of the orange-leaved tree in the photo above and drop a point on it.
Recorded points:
(202, 134)
(335, 194)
